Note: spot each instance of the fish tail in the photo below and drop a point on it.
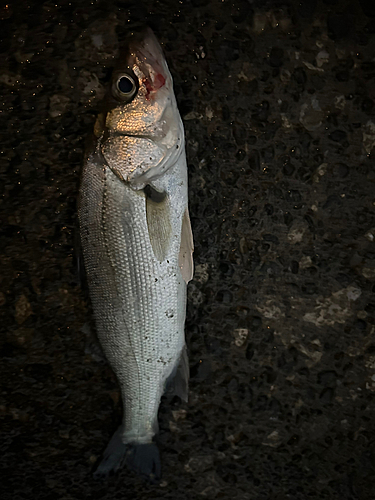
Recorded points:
(144, 459)
(113, 456)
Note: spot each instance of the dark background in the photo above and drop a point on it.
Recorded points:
(277, 100)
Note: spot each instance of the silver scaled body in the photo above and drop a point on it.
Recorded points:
(137, 249)
(139, 302)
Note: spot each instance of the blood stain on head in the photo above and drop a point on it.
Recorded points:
(159, 81)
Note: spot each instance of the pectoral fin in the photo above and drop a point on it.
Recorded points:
(185, 258)
(158, 222)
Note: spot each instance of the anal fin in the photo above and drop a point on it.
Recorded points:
(178, 381)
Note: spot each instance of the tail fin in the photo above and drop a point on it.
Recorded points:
(144, 459)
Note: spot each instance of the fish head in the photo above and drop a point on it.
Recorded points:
(142, 133)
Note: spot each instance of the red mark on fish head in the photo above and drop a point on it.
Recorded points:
(159, 81)
(157, 84)
(148, 86)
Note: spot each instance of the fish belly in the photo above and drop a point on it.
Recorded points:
(139, 303)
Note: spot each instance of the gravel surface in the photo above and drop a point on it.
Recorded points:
(277, 99)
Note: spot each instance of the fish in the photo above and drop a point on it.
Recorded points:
(137, 247)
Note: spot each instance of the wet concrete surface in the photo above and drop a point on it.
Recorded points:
(277, 100)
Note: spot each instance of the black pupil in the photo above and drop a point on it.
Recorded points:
(125, 85)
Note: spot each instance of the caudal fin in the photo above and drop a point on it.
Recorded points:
(144, 459)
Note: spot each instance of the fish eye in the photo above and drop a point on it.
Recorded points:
(125, 87)
(125, 84)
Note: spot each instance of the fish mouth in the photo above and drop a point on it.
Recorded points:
(145, 53)
(147, 49)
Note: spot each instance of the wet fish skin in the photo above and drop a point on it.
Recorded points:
(137, 248)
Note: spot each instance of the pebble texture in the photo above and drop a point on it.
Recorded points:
(277, 99)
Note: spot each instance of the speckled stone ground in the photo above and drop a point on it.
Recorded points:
(277, 99)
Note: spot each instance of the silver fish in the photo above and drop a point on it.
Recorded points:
(137, 247)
